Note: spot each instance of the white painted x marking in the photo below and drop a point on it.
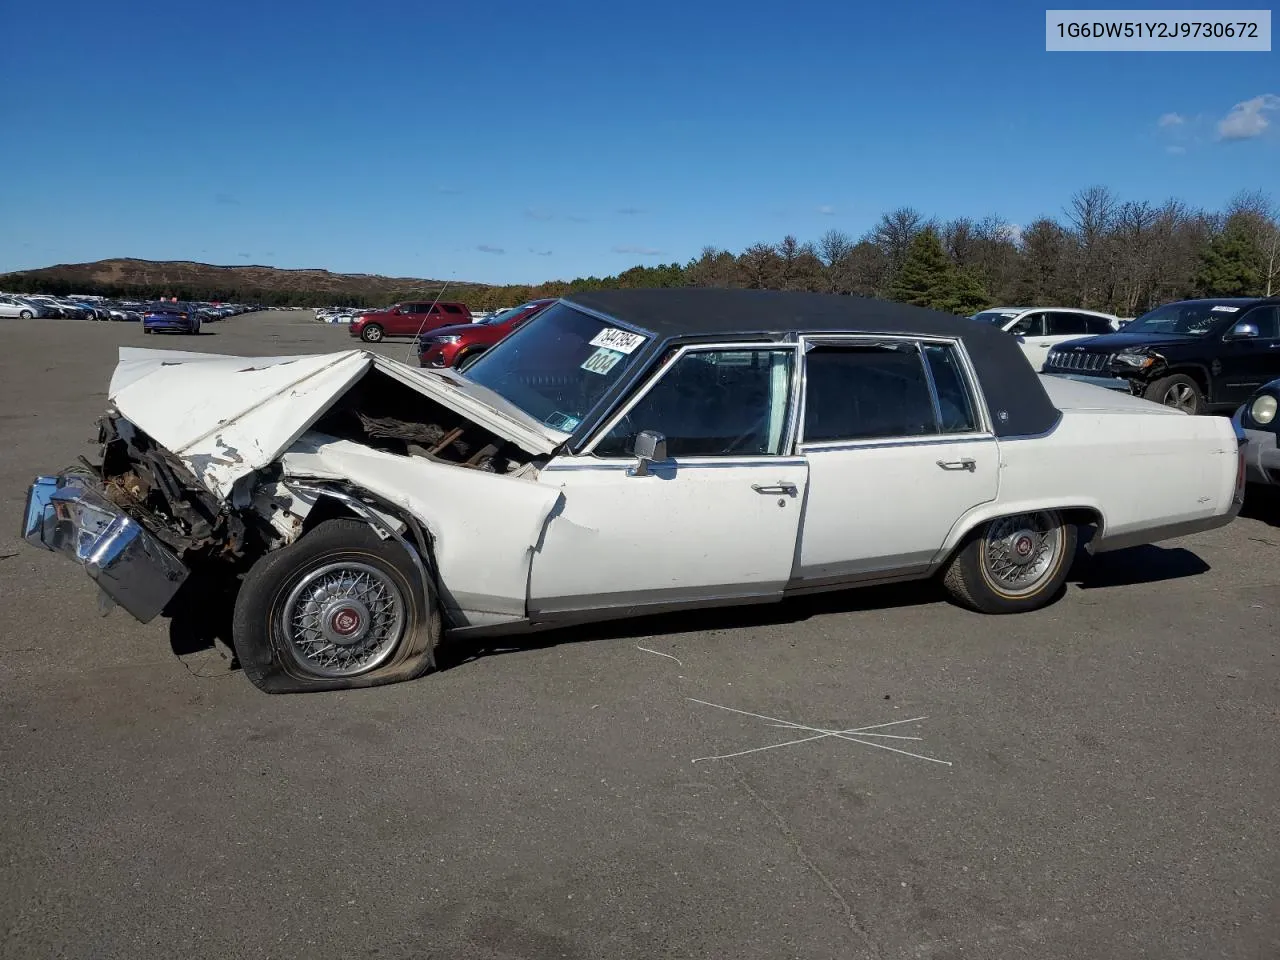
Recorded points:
(854, 735)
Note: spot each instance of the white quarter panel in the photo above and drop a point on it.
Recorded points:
(888, 507)
(1140, 470)
(695, 530)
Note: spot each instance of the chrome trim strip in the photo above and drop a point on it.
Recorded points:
(833, 446)
(735, 345)
(625, 603)
(689, 463)
(1166, 531)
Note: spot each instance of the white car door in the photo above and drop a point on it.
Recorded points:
(1033, 336)
(898, 449)
(715, 522)
(8, 308)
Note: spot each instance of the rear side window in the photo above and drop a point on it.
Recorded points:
(1067, 325)
(1098, 325)
(452, 308)
(955, 402)
(867, 391)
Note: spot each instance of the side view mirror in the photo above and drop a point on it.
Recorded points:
(650, 447)
(1243, 331)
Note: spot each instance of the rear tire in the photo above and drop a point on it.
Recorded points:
(1013, 564)
(26, 314)
(337, 609)
(1178, 391)
(371, 334)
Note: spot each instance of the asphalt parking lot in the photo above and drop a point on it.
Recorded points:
(1107, 788)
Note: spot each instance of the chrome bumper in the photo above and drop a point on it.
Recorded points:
(70, 515)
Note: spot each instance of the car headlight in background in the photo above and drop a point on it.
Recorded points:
(450, 339)
(1263, 409)
(1139, 361)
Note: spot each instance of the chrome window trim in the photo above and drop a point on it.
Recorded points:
(680, 463)
(877, 443)
(968, 377)
(736, 345)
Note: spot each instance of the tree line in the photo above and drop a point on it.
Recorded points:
(1101, 253)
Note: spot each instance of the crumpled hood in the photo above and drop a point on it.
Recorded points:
(227, 416)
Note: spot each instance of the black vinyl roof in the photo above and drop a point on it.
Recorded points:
(1018, 402)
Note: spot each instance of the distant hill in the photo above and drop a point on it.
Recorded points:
(186, 279)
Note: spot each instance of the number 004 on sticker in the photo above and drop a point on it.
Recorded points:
(602, 361)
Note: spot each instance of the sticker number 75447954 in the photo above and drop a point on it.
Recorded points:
(624, 341)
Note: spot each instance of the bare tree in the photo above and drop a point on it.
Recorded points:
(834, 246)
(895, 231)
(760, 266)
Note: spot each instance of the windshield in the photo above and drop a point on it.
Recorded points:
(997, 317)
(557, 366)
(1189, 319)
(501, 315)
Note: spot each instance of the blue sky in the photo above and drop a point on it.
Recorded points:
(522, 142)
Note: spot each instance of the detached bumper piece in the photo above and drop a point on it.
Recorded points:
(69, 514)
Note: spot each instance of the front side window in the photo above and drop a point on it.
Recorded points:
(1032, 325)
(712, 403)
(867, 391)
(1266, 319)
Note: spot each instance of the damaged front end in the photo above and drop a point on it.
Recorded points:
(138, 522)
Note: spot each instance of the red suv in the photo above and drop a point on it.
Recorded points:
(452, 346)
(407, 320)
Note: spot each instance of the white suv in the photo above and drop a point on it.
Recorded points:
(1040, 328)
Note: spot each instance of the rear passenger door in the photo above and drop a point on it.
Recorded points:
(899, 449)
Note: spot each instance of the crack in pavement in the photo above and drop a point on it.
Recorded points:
(852, 920)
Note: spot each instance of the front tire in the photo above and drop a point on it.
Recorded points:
(1178, 391)
(1013, 564)
(26, 314)
(371, 334)
(337, 609)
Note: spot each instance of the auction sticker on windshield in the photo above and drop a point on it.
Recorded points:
(624, 341)
(602, 361)
(1222, 309)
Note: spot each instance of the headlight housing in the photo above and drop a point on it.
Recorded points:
(1138, 361)
(448, 339)
(1263, 409)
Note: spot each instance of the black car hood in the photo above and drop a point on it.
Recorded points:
(1116, 342)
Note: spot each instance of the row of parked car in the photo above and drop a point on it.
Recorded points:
(36, 306)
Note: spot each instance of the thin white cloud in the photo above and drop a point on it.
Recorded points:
(637, 250)
(1175, 149)
(1171, 120)
(827, 210)
(1246, 119)
(489, 248)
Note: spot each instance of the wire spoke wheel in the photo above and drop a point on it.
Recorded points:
(342, 619)
(1019, 554)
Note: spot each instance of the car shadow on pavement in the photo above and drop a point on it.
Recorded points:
(1145, 564)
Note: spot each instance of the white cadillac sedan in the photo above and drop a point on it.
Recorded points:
(623, 453)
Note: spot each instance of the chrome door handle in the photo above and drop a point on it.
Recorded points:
(788, 488)
(965, 464)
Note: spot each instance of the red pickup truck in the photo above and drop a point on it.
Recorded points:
(408, 320)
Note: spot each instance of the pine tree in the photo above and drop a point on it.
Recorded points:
(1230, 266)
(925, 272)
